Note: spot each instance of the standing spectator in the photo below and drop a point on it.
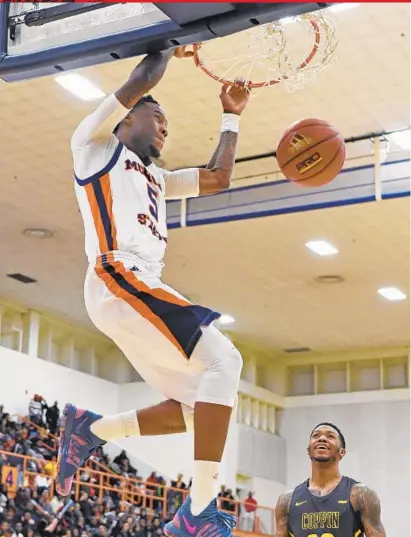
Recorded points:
(228, 503)
(36, 408)
(52, 417)
(175, 498)
(151, 487)
(250, 510)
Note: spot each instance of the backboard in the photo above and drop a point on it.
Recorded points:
(40, 39)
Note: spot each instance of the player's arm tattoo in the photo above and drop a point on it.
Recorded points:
(144, 77)
(365, 501)
(217, 175)
(282, 511)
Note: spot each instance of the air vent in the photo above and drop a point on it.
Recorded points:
(22, 278)
(329, 278)
(295, 350)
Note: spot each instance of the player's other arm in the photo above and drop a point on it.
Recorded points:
(99, 126)
(365, 501)
(217, 175)
(192, 182)
(282, 511)
(147, 75)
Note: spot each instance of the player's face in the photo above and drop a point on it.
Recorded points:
(325, 445)
(148, 130)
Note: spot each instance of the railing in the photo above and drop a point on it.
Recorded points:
(18, 471)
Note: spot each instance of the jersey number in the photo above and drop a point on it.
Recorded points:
(10, 478)
(153, 207)
(322, 535)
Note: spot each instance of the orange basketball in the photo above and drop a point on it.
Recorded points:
(311, 152)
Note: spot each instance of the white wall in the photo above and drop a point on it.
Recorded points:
(378, 450)
(22, 376)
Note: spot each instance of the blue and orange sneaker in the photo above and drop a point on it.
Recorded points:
(77, 443)
(210, 523)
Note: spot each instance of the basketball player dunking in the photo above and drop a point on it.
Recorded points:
(170, 341)
(328, 504)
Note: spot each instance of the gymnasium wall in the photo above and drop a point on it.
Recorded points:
(378, 450)
(248, 451)
(22, 376)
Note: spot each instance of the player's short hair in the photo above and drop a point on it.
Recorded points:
(145, 99)
(336, 429)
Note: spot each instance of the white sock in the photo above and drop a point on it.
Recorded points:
(204, 487)
(116, 426)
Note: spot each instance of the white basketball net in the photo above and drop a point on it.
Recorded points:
(293, 51)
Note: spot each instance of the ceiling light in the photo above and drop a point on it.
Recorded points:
(79, 86)
(321, 247)
(392, 293)
(287, 20)
(343, 7)
(401, 138)
(226, 319)
(38, 233)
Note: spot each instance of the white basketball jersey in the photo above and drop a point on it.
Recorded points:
(125, 210)
(123, 202)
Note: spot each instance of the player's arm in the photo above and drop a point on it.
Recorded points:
(282, 511)
(217, 175)
(99, 125)
(147, 75)
(365, 501)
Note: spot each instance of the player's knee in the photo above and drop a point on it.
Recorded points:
(233, 363)
(223, 357)
(226, 369)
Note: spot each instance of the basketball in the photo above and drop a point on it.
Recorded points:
(311, 153)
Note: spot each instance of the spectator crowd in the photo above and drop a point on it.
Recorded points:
(28, 506)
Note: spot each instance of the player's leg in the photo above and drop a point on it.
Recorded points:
(207, 385)
(138, 332)
(213, 404)
(208, 382)
(161, 347)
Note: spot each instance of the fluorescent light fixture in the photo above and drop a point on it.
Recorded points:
(401, 138)
(226, 319)
(334, 8)
(392, 293)
(343, 7)
(287, 20)
(321, 247)
(79, 86)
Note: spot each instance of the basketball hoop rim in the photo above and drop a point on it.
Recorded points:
(250, 85)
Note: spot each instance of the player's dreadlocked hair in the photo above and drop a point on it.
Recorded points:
(328, 424)
(145, 99)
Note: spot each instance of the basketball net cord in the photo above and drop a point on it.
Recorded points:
(264, 56)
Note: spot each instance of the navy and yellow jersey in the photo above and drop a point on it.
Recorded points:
(324, 516)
